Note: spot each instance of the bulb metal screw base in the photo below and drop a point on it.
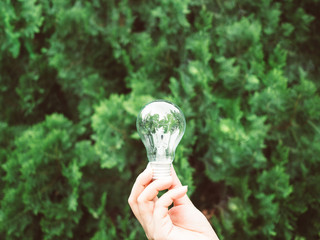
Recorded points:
(160, 169)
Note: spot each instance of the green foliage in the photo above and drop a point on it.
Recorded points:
(74, 75)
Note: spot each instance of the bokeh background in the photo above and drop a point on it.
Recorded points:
(75, 73)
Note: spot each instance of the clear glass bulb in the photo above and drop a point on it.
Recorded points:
(161, 125)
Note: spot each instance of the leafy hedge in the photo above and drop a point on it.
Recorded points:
(74, 74)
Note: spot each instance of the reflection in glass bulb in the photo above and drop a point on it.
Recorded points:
(161, 125)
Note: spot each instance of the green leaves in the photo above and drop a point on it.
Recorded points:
(19, 26)
(110, 137)
(41, 179)
(74, 75)
(239, 35)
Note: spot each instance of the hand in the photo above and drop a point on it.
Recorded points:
(183, 221)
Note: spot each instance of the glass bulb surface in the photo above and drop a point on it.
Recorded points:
(161, 125)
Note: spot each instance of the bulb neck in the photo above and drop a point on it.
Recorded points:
(160, 169)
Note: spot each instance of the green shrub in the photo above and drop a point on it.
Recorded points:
(74, 74)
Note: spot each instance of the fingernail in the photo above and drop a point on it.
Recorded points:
(165, 179)
(148, 168)
(185, 188)
(148, 165)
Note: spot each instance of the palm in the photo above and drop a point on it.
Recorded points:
(185, 222)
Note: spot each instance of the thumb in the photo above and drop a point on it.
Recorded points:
(161, 206)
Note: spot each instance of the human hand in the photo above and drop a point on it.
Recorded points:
(183, 221)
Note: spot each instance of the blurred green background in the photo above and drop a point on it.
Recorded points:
(75, 73)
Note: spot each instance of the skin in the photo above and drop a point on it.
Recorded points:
(183, 221)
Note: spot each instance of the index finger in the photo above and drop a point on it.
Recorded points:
(142, 181)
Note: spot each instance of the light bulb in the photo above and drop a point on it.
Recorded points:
(161, 125)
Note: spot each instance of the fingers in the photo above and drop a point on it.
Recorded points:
(161, 207)
(152, 190)
(177, 184)
(144, 195)
(140, 184)
(147, 198)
